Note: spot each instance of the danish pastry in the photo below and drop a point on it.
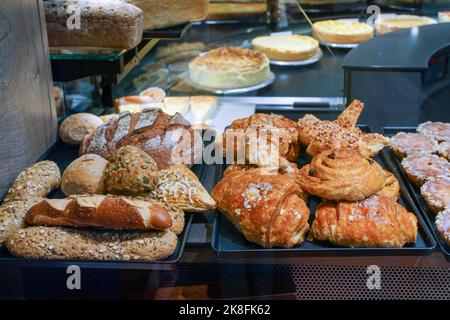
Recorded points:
(392, 186)
(421, 167)
(443, 225)
(342, 174)
(269, 210)
(444, 150)
(374, 222)
(436, 193)
(404, 144)
(439, 131)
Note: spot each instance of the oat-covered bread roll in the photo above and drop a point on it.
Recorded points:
(34, 182)
(85, 175)
(342, 174)
(77, 126)
(12, 216)
(131, 171)
(100, 211)
(72, 244)
(374, 222)
(269, 209)
(179, 187)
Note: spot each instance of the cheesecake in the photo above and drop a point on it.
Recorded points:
(287, 47)
(401, 21)
(344, 32)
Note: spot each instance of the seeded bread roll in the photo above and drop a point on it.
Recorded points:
(75, 127)
(35, 182)
(12, 217)
(131, 171)
(71, 244)
(85, 175)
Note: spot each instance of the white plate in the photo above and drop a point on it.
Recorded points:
(309, 61)
(261, 85)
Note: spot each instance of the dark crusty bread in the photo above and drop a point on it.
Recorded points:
(104, 24)
(167, 139)
(72, 244)
(36, 181)
(100, 211)
(12, 216)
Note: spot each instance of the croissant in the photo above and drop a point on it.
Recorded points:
(375, 222)
(269, 210)
(342, 174)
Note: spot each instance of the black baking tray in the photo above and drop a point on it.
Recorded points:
(226, 239)
(429, 216)
(63, 155)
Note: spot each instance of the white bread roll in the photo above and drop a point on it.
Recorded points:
(84, 175)
(75, 127)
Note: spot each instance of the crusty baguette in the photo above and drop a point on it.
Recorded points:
(72, 244)
(12, 217)
(100, 211)
(35, 182)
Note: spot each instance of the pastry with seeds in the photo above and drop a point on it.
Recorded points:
(404, 144)
(443, 225)
(131, 171)
(421, 167)
(374, 222)
(436, 193)
(72, 244)
(342, 174)
(35, 182)
(439, 131)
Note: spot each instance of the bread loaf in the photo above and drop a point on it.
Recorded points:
(99, 211)
(12, 216)
(85, 175)
(36, 181)
(71, 244)
(161, 14)
(75, 127)
(109, 24)
(167, 139)
(131, 171)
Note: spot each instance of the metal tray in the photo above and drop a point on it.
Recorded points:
(309, 61)
(63, 155)
(415, 191)
(259, 86)
(226, 239)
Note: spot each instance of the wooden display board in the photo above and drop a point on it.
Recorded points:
(28, 121)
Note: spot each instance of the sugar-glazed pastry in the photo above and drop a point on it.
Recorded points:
(436, 193)
(421, 167)
(374, 222)
(443, 225)
(404, 144)
(342, 174)
(392, 186)
(444, 150)
(439, 131)
(269, 209)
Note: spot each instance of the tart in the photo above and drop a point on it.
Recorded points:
(339, 31)
(287, 47)
(444, 16)
(443, 225)
(421, 167)
(404, 144)
(444, 150)
(436, 193)
(439, 131)
(401, 21)
(229, 68)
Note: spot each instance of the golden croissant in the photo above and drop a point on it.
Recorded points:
(375, 222)
(268, 209)
(342, 174)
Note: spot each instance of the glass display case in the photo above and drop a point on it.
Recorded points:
(399, 71)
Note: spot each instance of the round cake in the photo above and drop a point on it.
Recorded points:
(229, 68)
(287, 47)
(339, 31)
(401, 21)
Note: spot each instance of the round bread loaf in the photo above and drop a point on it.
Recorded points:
(84, 175)
(75, 127)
